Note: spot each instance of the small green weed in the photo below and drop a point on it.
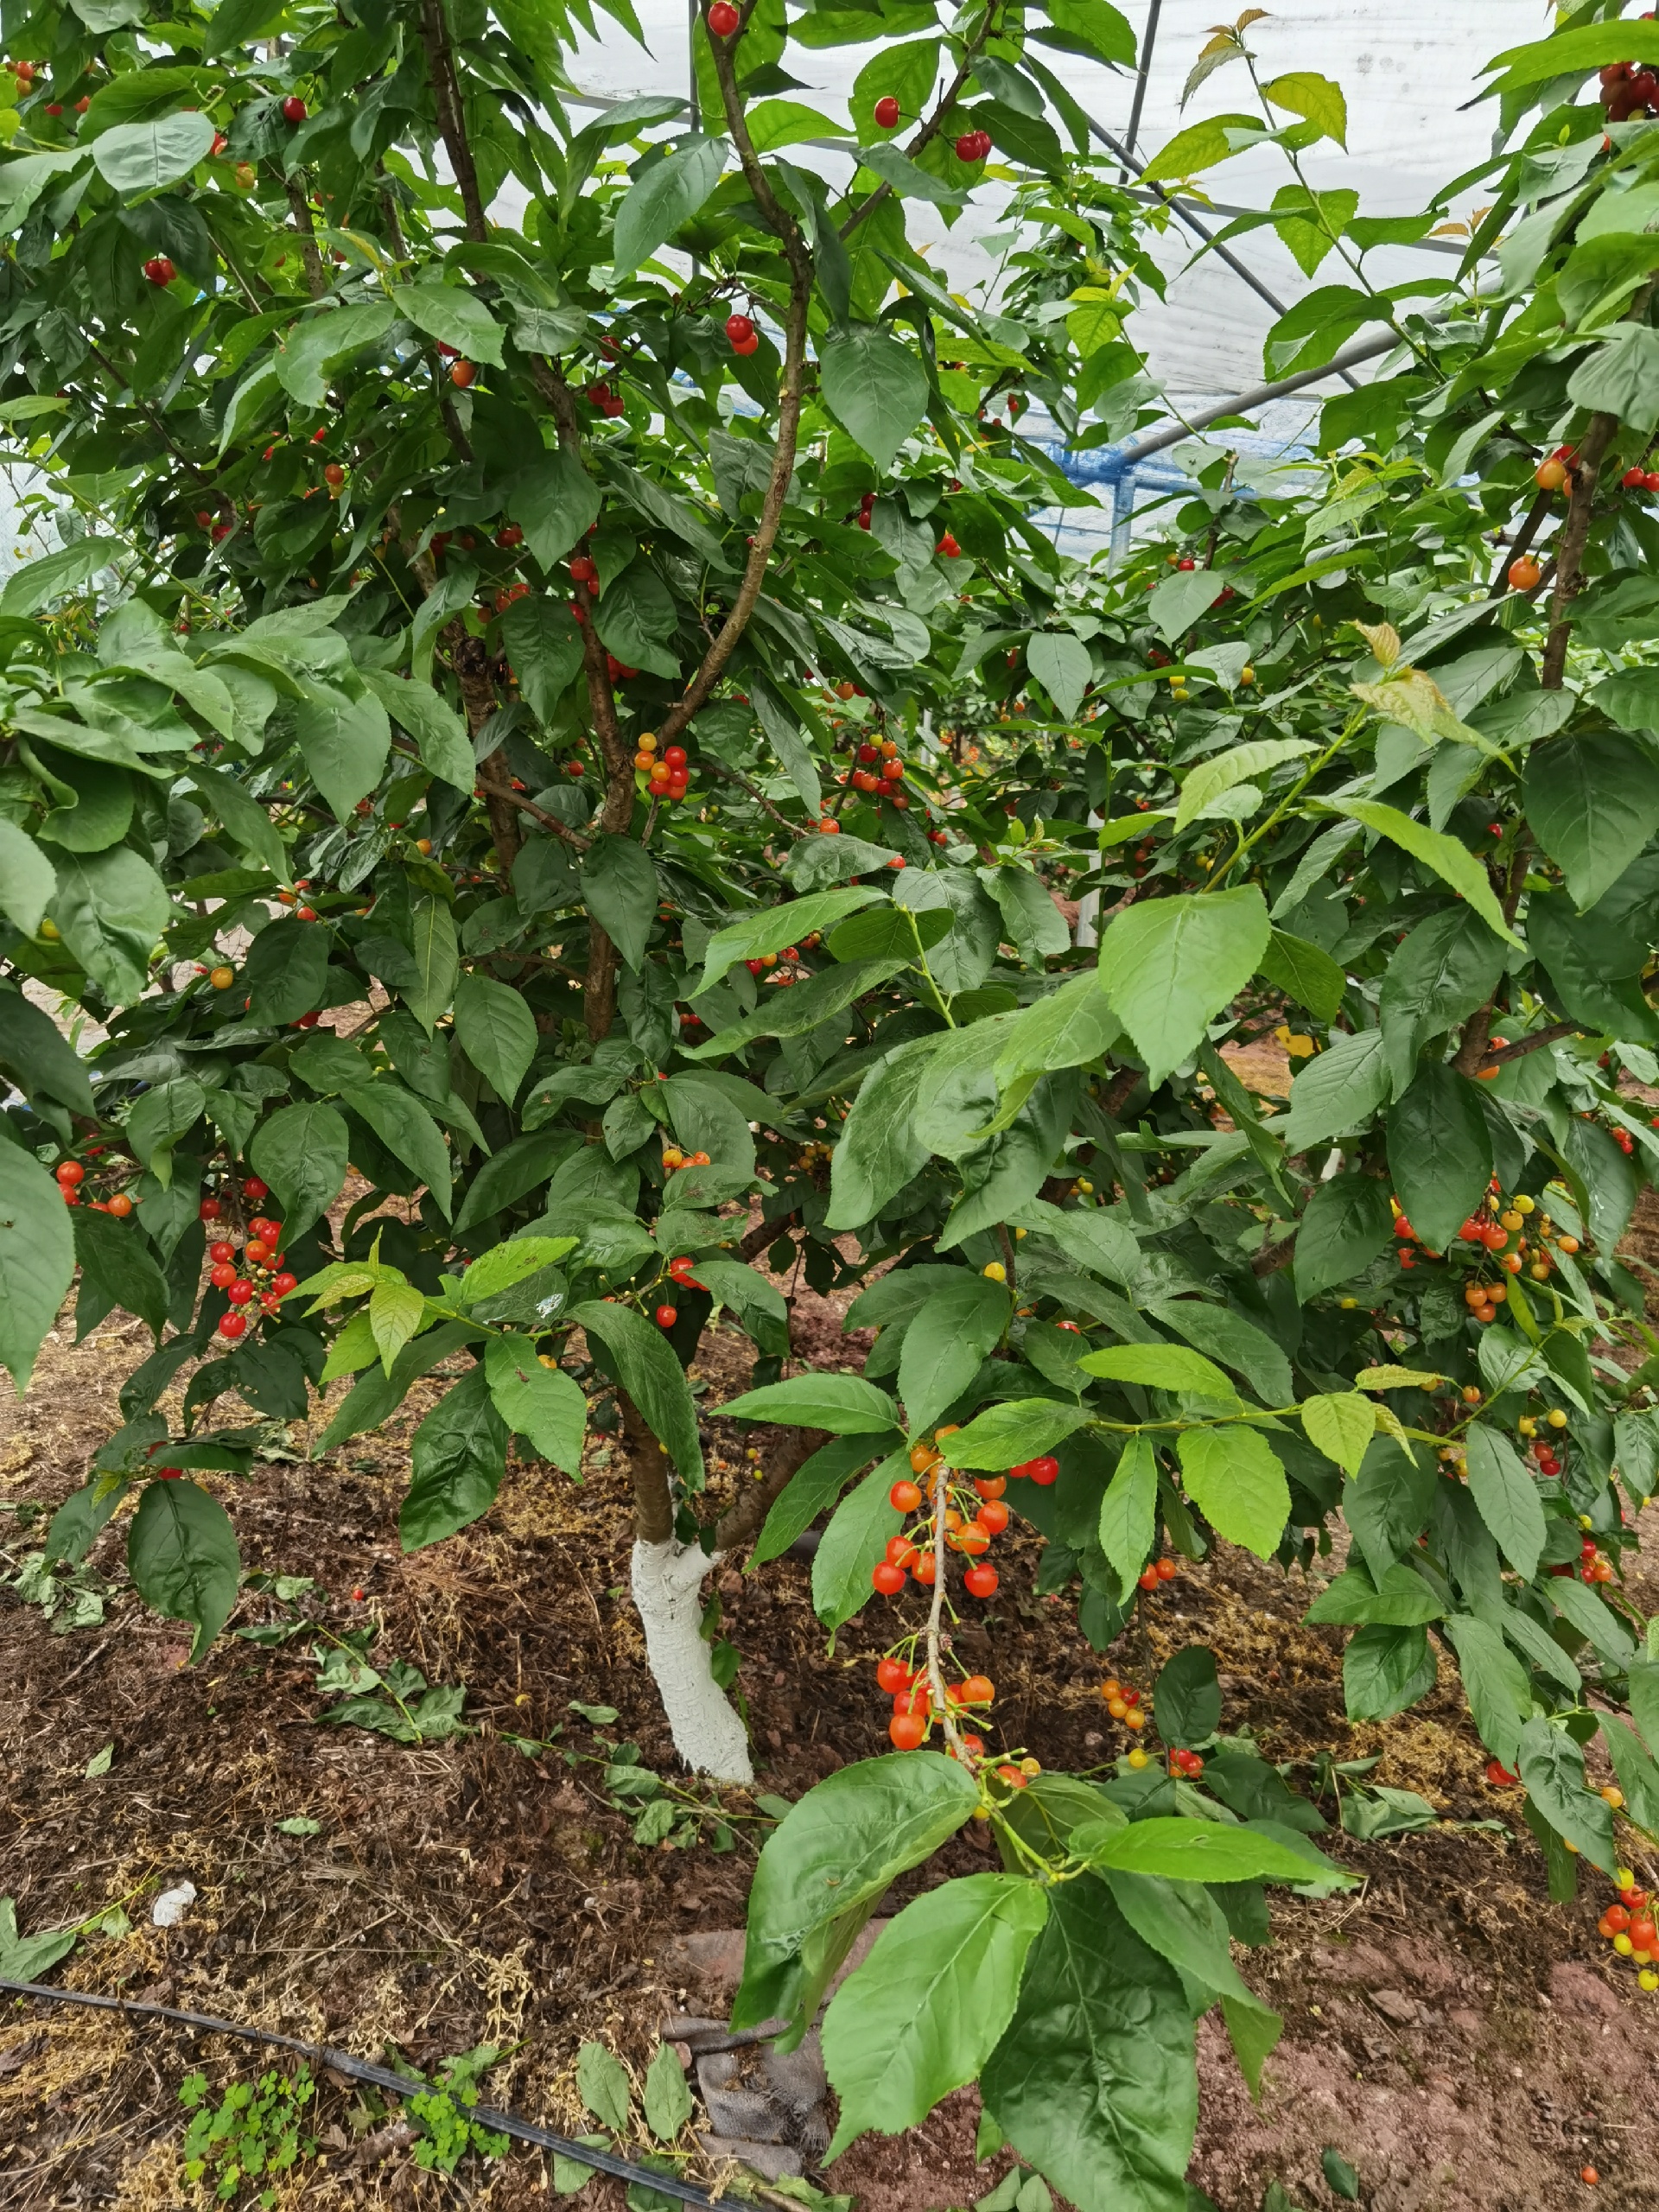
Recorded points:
(254, 2131)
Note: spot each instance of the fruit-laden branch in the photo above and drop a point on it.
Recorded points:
(934, 122)
(1509, 555)
(1473, 1051)
(1539, 1039)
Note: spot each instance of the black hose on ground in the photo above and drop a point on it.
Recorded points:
(399, 2085)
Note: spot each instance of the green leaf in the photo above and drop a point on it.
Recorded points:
(1222, 770)
(1094, 2081)
(1229, 1338)
(120, 1265)
(37, 1258)
(752, 935)
(182, 1555)
(544, 646)
(1108, 35)
(537, 1402)
(1401, 1599)
(1340, 2177)
(1552, 1768)
(496, 1030)
(1449, 965)
(648, 1371)
(1306, 974)
(1341, 1424)
(1160, 1366)
(844, 1404)
(136, 157)
(619, 885)
(1178, 601)
(827, 1866)
(28, 879)
(1006, 1435)
(1129, 1526)
(1060, 664)
(1593, 802)
(436, 729)
(669, 193)
(345, 741)
(602, 2085)
(925, 2010)
(454, 314)
(1183, 1923)
(957, 1329)
(1346, 1224)
(37, 584)
(375, 1395)
(246, 823)
(1305, 92)
(1620, 376)
(667, 2100)
(878, 1150)
(458, 1457)
(403, 1125)
(1494, 1681)
(285, 974)
(1440, 1152)
(1638, 1778)
(302, 1153)
(437, 961)
(317, 346)
(1238, 1484)
(1200, 146)
(1385, 1670)
(35, 1049)
(1506, 1497)
(875, 388)
(1170, 965)
(1450, 861)
(109, 908)
(1186, 1697)
(512, 1173)
(557, 502)
(855, 1542)
(27, 1958)
(394, 1313)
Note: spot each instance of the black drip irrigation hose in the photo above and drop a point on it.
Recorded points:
(400, 2085)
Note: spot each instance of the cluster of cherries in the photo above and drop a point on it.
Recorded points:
(679, 1269)
(972, 1532)
(913, 1708)
(257, 1275)
(666, 779)
(767, 964)
(71, 1174)
(878, 771)
(1629, 88)
(1629, 1925)
(745, 338)
(610, 403)
(1501, 1227)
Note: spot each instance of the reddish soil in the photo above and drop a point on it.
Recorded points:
(1465, 2042)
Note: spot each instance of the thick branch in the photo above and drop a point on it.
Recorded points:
(1539, 1039)
(1575, 536)
(520, 804)
(743, 1520)
(451, 121)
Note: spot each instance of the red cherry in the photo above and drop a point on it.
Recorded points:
(462, 374)
(1147, 1578)
(1044, 1471)
(723, 18)
(993, 1516)
(981, 1582)
(675, 757)
(257, 1252)
(159, 269)
(254, 1189)
(334, 475)
(667, 1316)
(947, 547)
(167, 1474)
(232, 1325)
(925, 1569)
(294, 109)
(893, 1675)
(221, 1252)
(907, 1731)
(1498, 1775)
(889, 1580)
(223, 1275)
(240, 1293)
(886, 113)
(209, 1209)
(283, 1283)
(905, 1496)
(70, 1172)
(739, 329)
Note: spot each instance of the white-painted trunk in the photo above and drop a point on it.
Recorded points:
(667, 1590)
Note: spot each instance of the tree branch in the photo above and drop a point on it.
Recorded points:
(1540, 1038)
(743, 1520)
(653, 1499)
(452, 120)
(1511, 554)
(718, 768)
(520, 804)
(934, 124)
(315, 275)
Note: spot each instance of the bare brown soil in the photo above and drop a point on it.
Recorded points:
(1465, 2042)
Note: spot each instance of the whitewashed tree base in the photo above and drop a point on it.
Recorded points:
(667, 1580)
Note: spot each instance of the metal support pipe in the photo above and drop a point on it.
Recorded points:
(1140, 76)
(1362, 349)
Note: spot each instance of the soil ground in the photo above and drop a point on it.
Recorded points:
(1462, 2041)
